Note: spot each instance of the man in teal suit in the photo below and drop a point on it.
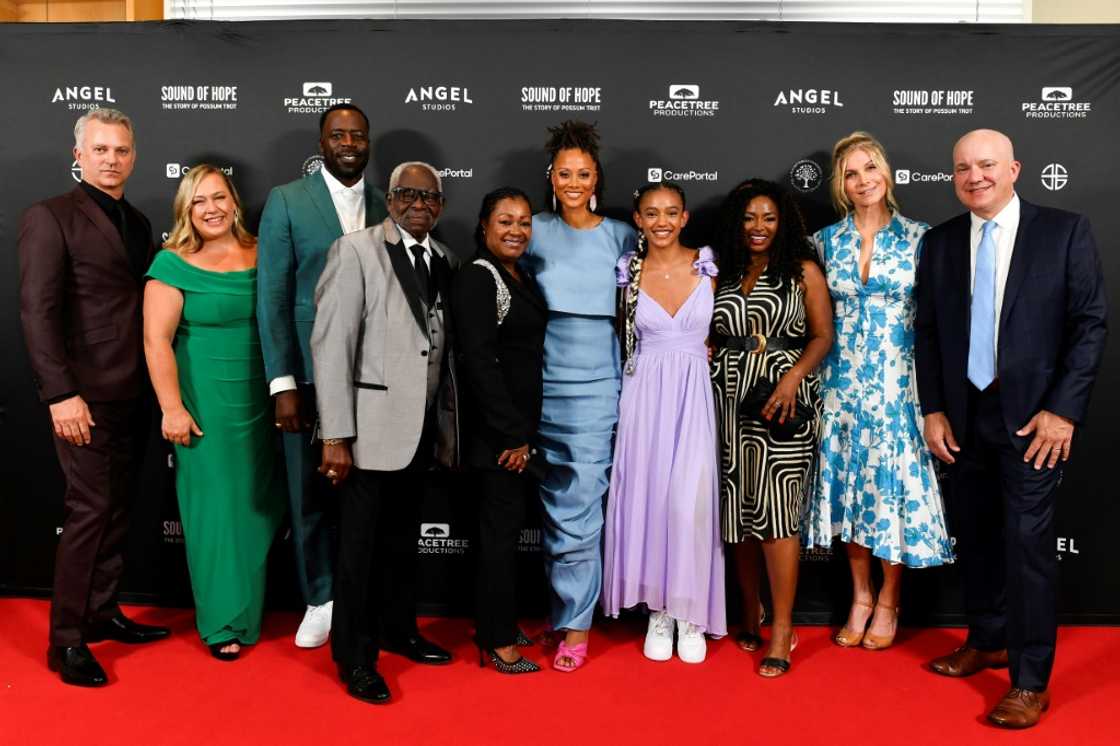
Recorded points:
(300, 222)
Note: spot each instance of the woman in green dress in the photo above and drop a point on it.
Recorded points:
(204, 357)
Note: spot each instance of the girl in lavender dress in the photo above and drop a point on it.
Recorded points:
(662, 544)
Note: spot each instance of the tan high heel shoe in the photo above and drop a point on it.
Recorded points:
(882, 642)
(849, 638)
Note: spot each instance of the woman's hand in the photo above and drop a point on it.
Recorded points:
(178, 426)
(336, 461)
(514, 459)
(783, 402)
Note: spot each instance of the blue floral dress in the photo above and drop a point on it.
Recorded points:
(876, 486)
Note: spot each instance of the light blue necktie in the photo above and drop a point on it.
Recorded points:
(982, 333)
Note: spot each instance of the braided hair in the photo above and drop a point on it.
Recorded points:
(789, 248)
(572, 134)
(634, 273)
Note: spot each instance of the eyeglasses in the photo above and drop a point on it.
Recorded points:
(408, 195)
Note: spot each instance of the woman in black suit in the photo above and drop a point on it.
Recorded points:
(500, 319)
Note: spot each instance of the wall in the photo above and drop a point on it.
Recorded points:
(1076, 11)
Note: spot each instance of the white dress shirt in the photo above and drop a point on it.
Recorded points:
(349, 201)
(409, 242)
(1007, 225)
(350, 205)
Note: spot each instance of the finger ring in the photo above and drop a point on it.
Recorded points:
(332, 474)
(278, 425)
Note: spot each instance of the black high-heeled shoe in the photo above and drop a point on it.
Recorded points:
(216, 650)
(521, 665)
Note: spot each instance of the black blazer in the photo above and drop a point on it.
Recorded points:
(80, 301)
(1052, 326)
(500, 366)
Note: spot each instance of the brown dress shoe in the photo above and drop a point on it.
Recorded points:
(965, 661)
(1020, 708)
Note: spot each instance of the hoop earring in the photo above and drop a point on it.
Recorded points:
(593, 203)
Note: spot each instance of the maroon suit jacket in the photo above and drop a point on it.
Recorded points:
(80, 301)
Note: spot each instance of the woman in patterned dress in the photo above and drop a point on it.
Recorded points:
(877, 489)
(772, 326)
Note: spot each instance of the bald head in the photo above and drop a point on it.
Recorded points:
(984, 171)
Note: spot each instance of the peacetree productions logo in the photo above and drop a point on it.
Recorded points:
(932, 102)
(806, 176)
(207, 96)
(178, 170)
(438, 97)
(904, 176)
(83, 97)
(435, 538)
(809, 100)
(561, 98)
(1056, 102)
(1054, 176)
(666, 174)
(684, 101)
(316, 97)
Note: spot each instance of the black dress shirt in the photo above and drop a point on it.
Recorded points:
(134, 229)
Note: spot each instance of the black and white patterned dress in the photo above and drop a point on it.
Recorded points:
(762, 490)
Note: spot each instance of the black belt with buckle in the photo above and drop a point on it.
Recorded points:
(760, 344)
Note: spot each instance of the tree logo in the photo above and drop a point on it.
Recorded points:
(435, 530)
(806, 176)
(312, 165)
(317, 89)
(680, 91)
(1057, 93)
(76, 171)
(1055, 177)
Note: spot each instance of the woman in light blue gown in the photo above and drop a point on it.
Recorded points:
(572, 255)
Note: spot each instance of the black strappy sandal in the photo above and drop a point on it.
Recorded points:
(749, 642)
(780, 664)
(216, 650)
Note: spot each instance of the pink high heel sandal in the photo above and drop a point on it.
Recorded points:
(578, 653)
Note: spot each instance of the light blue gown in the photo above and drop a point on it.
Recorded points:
(575, 271)
(876, 486)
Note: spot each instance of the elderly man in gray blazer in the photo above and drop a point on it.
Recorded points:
(385, 384)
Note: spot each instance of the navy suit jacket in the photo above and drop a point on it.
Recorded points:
(1052, 326)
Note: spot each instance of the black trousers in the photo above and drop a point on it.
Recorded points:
(99, 478)
(501, 514)
(1002, 513)
(375, 577)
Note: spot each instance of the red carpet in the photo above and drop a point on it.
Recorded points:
(173, 692)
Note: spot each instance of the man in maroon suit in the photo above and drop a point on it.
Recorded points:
(82, 256)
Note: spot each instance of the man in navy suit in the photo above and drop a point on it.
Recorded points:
(1010, 330)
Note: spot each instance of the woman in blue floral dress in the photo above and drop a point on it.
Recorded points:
(876, 489)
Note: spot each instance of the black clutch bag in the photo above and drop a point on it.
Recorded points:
(756, 400)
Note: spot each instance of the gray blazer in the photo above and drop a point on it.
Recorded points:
(371, 346)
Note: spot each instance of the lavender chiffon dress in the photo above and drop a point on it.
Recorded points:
(662, 540)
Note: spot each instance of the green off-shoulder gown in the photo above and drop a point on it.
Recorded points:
(230, 499)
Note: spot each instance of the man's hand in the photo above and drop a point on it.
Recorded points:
(514, 459)
(289, 408)
(72, 420)
(336, 462)
(1053, 436)
(939, 437)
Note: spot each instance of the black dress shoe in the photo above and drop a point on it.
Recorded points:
(77, 665)
(364, 683)
(123, 629)
(417, 649)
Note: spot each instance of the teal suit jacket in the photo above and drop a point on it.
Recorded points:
(297, 227)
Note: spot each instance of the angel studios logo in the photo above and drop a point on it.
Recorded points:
(83, 97)
(684, 100)
(435, 538)
(316, 96)
(438, 97)
(808, 101)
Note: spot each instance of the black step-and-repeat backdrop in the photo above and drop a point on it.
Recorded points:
(705, 104)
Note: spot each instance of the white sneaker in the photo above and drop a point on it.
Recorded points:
(659, 637)
(315, 628)
(691, 645)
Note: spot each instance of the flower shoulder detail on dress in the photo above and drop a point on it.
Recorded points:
(705, 263)
(622, 269)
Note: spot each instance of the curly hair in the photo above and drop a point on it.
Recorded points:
(489, 202)
(572, 134)
(789, 248)
(629, 298)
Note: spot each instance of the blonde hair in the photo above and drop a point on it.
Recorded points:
(183, 238)
(866, 142)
